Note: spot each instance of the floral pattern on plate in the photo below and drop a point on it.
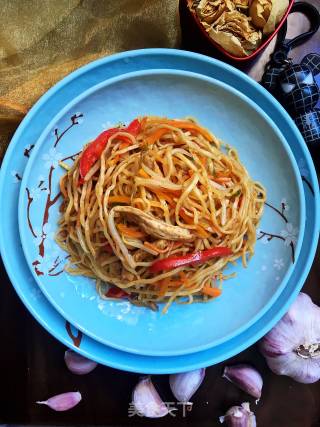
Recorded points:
(288, 234)
(51, 261)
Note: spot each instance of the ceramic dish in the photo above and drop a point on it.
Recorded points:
(234, 119)
(17, 156)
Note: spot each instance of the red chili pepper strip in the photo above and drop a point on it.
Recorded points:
(94, 150)
(134, 127)
(194, 258)
(115, 292)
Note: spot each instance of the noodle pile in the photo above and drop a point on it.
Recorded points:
(171, 190)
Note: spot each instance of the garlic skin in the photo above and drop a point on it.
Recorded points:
(239, 416)
(78, 364)
(62, 402)
(246, 378)
(292, 347)
(147, 400)
(184, 385)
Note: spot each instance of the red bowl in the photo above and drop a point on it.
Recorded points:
(187, 15)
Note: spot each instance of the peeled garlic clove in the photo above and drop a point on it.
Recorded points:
(78, 364)
(62, 402)
(239, 416)
(147, 401)
(184, 385)
(246, 378)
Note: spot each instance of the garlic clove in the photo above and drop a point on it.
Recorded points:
(246, 378)
(147, 401)
(184, 385)
(78, 364)
(292, 347)
(62, 402)
(239, 416)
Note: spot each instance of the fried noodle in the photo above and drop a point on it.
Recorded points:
(171, 190)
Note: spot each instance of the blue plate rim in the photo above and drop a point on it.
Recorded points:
(33, 157)
(134, 363)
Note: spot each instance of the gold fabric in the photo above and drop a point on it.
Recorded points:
(41, 41)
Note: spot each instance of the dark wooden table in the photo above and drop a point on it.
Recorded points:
(32, 366)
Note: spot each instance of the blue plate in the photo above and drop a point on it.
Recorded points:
(234, 119)
(14, 165)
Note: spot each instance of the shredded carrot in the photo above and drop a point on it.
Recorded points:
(188, 219)
(176, 283)
(185, 177)
(167, 191)
(164, 285)
(202, 232)
(155, 248)
(157, 134)
(212, 292)
(139, 204)
(203, 160)
(119, 199)
(113, 161)
(130, 231)
(200, 229)
(164, 196)
(124, 145)
(182, 275)
(175, 193)
(173, 245)
(185, 125)
(143, 173)
(222, 179)
(224, 174)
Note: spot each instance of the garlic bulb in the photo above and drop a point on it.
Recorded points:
(239, 416)
(147, 401)
(184, 385)
(246, 378)
(292, 347)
